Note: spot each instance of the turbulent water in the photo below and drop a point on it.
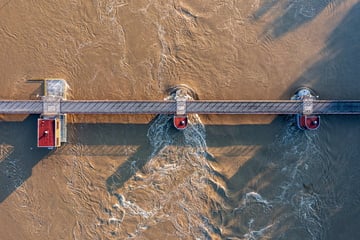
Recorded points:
(224, 177)
(174, 189)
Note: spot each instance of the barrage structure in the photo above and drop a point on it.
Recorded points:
(54, 107)
(60, 106)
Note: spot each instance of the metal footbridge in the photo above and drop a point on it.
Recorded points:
(53, 105)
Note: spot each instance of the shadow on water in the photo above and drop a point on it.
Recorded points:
(335, 76)
(111, 140)
(217, 136)
(290, 15)
(19, 154)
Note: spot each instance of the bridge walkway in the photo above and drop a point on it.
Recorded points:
(170, 107)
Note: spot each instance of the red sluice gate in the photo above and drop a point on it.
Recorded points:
(180, 122)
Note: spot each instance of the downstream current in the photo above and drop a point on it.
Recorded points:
(291, 185)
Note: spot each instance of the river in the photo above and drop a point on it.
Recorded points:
(224, 177)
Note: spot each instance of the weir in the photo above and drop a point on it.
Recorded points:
(170, 107)
(54, 103)
(54, 107)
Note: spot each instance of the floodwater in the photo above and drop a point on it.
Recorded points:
(225, 177)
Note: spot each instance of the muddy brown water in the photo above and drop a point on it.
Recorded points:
(225, 177)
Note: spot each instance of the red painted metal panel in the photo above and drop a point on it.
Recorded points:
(46, 132)
(308, 122)
(180, 122)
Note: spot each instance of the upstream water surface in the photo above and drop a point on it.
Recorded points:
(224, 177)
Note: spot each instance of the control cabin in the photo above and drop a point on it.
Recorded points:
(49, 132)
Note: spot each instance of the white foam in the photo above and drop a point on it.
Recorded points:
(257, 234)
(255, 197)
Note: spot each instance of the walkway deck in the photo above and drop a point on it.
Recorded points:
(169, 107)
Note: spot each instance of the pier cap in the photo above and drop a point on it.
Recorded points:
(308, 96)
(51, 105)
(181, 99)
(302, 92)
(55, 87)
